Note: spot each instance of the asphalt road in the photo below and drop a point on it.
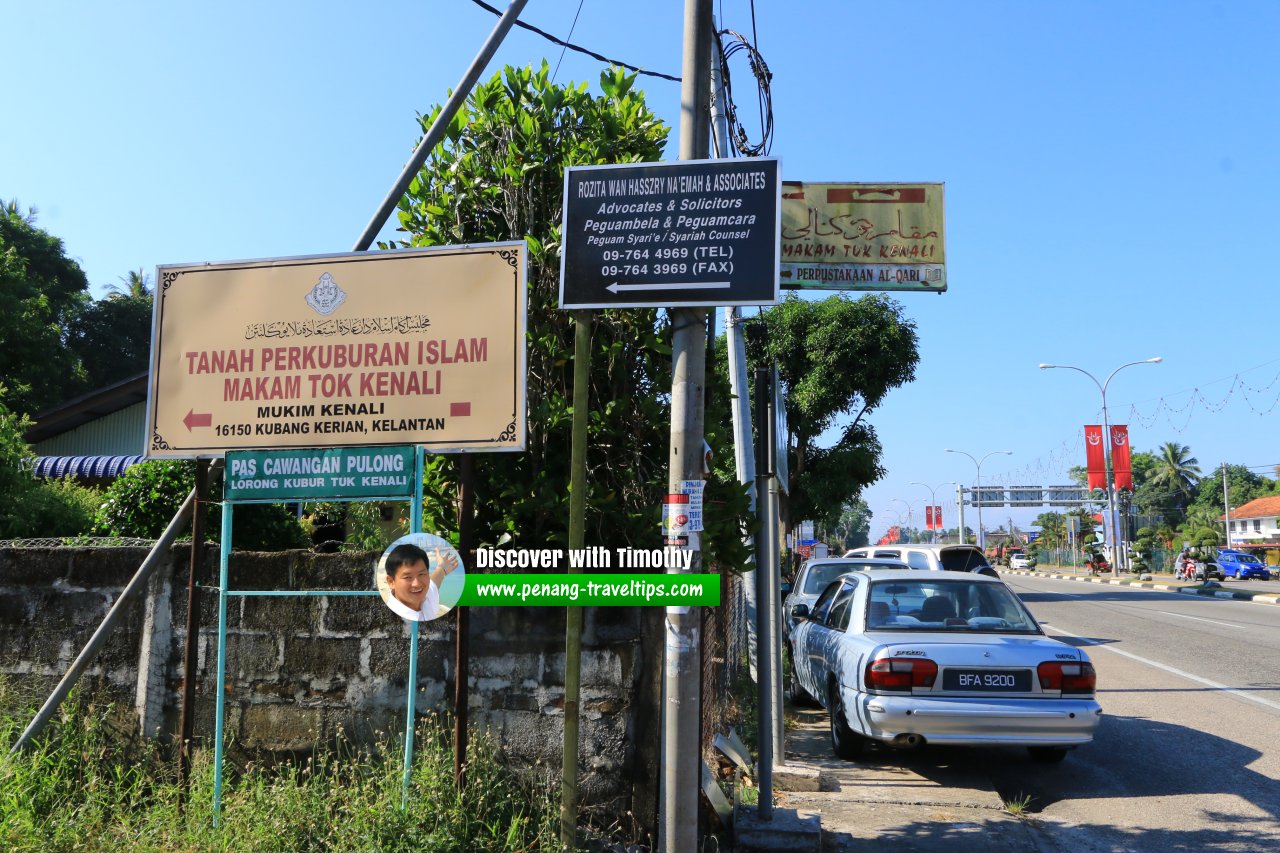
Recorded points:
(1187, 757)
(1188, 753)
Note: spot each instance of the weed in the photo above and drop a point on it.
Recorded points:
(1019, 806)
(82, 787)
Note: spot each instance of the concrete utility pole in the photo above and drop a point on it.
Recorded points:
(681, 750)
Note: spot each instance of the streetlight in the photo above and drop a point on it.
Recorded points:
(895, 514)
(933, 502)
(908, 506)
(1112, 526)
(982, 537)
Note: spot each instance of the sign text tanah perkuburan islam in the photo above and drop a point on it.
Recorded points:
(421, 347)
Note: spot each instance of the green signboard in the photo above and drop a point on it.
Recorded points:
(335, 473)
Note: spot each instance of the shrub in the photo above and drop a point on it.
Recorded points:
(62, 508)
(144, 499)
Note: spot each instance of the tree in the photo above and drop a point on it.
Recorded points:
(499, 175)
(41, 291)
(31, 507)
(853, 524)
(132, 286)
(112, 337)
(1053, 529)
(838, 356)
(1176, 471)
(1243, 486)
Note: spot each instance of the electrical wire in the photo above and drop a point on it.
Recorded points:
(737, 133)
(572, 27)
(565, 44)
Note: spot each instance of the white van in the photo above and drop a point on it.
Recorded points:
(933, 558)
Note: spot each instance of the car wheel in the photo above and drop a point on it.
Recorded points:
(1047, 754)
(799, 696)
(845, 742)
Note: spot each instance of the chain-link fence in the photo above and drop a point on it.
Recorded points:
(79, 542)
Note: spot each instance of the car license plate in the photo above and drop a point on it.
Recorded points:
(987, 681)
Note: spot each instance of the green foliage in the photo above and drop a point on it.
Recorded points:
(15, 473)
(143, 501)
(853, 524)
(498, 176)
(112, 338)
(1175, 473)
(41, 290)
(61, 508)
(1243, 485)
(838, 356)
(31, 507)
(1053, 529)
(362, 523)
(83, 787)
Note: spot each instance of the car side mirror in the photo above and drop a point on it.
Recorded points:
(800, 611)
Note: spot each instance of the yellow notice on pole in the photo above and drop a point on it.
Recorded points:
(863, 237)
(421, 347)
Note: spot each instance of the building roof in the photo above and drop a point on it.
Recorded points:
(87, 407)
(1268, 507)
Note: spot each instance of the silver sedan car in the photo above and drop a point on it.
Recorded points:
(815, 576)
(907, 658)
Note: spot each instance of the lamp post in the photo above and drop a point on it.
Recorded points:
(893, 512)
(982, 536)
(1113, 537)
(933, 502)
(907, 504)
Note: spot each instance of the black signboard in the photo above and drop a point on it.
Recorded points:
(664, 235)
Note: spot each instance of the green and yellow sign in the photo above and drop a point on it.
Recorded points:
(863, 237)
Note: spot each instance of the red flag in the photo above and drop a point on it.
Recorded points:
(1095, 461)
(1120, 457)
(937, 517)
(928, 517)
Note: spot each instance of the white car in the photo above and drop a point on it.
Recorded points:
(938, 558)
(815, 576)
(908, 658)
(1020, 561)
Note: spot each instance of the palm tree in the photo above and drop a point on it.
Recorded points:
(135, 286)
(1177, 471)
(12, 208)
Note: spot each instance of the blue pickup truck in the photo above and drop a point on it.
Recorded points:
(1239, 565)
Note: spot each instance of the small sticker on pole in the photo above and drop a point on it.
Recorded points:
(675, 521)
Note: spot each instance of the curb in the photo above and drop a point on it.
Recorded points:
(1254, 597)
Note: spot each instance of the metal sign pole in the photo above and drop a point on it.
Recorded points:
(415, 526)
(224, 563)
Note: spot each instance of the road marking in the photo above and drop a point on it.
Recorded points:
(1241, 694)
(1142, 609)
(1201, 619)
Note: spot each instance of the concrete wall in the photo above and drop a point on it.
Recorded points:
(306, 670)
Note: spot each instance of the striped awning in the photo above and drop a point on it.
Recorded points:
(89, 467)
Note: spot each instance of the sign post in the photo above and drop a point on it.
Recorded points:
(666, 235)
(419, 346)
(863, 237)
(407, 487)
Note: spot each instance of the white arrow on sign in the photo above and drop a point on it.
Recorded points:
(701, 285)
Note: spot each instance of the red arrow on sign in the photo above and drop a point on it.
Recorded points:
(194, 420)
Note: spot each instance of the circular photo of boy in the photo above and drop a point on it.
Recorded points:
(420, 577)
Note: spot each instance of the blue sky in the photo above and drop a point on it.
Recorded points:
(1110, 173)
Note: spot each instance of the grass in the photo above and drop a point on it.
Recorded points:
(84, 787)
(1019, 806)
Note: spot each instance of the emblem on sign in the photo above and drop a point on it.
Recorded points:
(326, 296)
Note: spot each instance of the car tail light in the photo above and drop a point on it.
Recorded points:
(901, 673)
(1067, 677)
